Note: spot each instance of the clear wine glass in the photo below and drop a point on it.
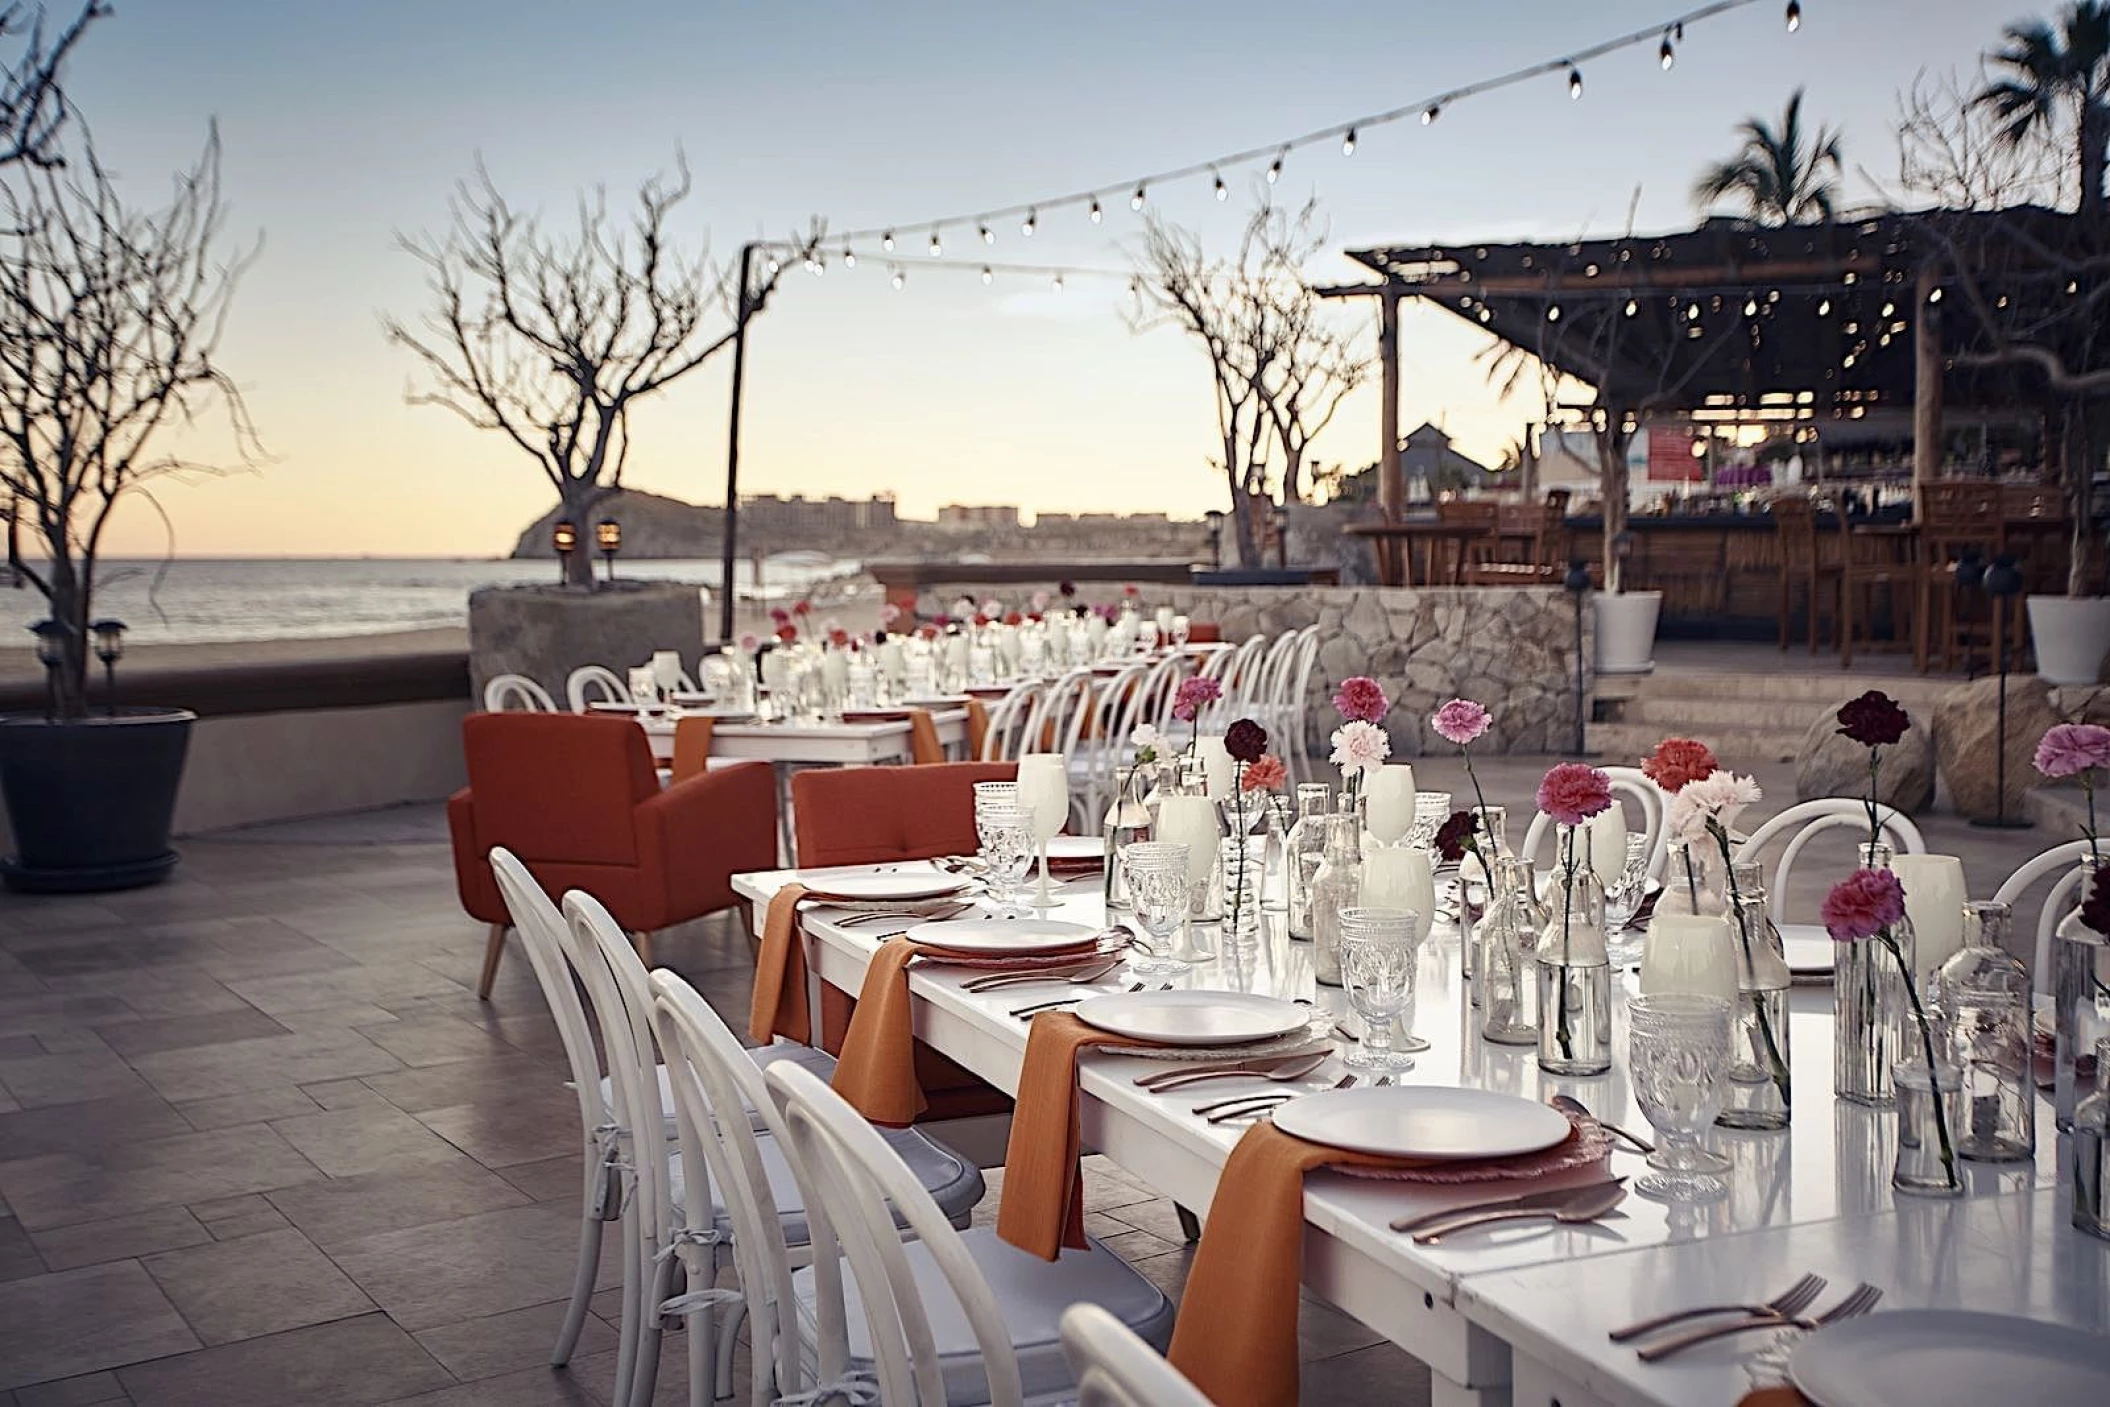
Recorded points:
(1379, 955)
(1431, 810)
(1622, 900)
(1005, 829)
(1180, 628)
(1156, 872)
(1679, 1063)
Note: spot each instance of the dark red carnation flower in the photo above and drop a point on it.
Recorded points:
(787, 633)
(2096, 912)
(1455, 836)
(1874, 720)
(1246, 740)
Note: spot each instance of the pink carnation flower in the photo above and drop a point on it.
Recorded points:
(2069, 749)
(1193, 693)
(1863, 904)
(1572, 793)
(1359, 747)
(1461, 721)
(1361, 697)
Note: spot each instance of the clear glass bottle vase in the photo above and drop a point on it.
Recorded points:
(2080, 995)
(1930, 1109)
(1871, 1017)
(1127, 822)
(1692, 879)
(1337, 885)
(1982, 993)
(2091, 1151)
(1505, 978)
(1305, 847)
(1761, 1091)
(1574, 972)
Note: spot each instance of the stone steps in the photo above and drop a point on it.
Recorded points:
(1625, 744)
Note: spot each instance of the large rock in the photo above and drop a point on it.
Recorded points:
(546, 632)
(1830, 765)
(1966, 728)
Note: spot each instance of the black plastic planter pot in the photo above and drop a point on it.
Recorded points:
(90, 801)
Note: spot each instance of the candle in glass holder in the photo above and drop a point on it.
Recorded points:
(1934, 900)
(1390, 805)
(1689, 953)
(1399, 877)
(1217, 766)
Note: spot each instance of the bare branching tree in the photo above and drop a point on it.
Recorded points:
(32, 105)
(550, 339)
(1281, 363)
(110, 326)
(1954, 152)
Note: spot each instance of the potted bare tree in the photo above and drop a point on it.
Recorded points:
(110, 321)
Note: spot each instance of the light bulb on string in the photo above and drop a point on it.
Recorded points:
(1031, 223)
(1430, 113)
(936, 248)
(1097, 213)
(1750, 307)
(988, 275)
(988, 236)
(886, 241)
(1666, 55)
(849, 257)
(1348, 143)
(1794, 15)
(1632, 307)
(1058, 283)
(1274, 169)
(1135, 202)
(1935, 296)
(899, 278)
(1574, 82)
(1824, 308)
(1223, 192)
(774, 265)
(1553, 314)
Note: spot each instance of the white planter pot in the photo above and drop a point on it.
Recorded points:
(2072, 633)
(1626, 631)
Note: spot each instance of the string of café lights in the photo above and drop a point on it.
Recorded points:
(1667, 35)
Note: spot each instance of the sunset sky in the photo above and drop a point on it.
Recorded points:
(346, 123)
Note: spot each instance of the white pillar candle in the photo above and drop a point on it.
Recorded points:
(1399, 877)
(1689, 953)
(1934, 900)
(1217, 765)
(1191, 821)
(1607, 836)
(1391, 804)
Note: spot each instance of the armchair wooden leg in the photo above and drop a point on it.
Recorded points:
(494, 949)
(643, 943)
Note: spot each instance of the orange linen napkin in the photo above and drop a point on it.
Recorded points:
(977, 727)
(1236, 1336)
(692, 746)
(779, 1007)
(1043, 1204)
(924, 746)
(1782, 1396)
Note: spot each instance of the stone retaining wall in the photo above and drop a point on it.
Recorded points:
(1512, 648)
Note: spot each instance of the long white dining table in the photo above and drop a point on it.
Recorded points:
(814, 742)
(1819, 1179)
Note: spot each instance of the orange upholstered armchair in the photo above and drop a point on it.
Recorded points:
(576, 798)
(873, 815)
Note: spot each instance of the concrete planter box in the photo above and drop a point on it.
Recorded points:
(546, 632)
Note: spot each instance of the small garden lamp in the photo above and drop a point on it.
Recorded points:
(2003, 581)
(1577, 583)
(608, 536)
(1215, 519)
(109, 648)
(51, 653)
(565, 538)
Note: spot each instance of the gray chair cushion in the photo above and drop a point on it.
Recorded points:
(1032, 1293)
(953, 1183)
(812, 1057)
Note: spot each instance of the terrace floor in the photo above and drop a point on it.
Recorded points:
(260, 1143)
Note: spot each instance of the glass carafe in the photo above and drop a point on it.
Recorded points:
(1983, 994)
(2080, 995)
(2091, 1151)
(1574, 972)
(1127, 822)
(1505, 977)
(1338, 885)
(1306, 846)
(1692, 879)
(1760, 1090)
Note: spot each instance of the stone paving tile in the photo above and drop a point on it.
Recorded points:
(435, 1040)
(525, 1130)
(551, 1180)
(21, 1047)
(120, 1238)
(57, 1011)
(1380, 1374)
(506, 1343)
(183, 1032)
(257, 1285)
(347, 1142)
(254, 1107)
(233, 1228)
(205, 1072)
(228, 1208)
(486, 1264)
(345, 1209)
(87, 1390)
(440, 1086)
(345, 1094)
(69, 1078)
(18, 1254)
(63, 1189)
(78, 1321)
(529, 1387)
(346, 1363)
(337, 987)
(88, 1128)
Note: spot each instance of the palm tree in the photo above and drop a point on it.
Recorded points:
(2051, 73)
(1780, 176)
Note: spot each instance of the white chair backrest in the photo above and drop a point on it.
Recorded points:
(594, 683)
(1064, 711)
(709, 1072)
(1115, 1368)
(616, 989)
(2064, 861)
(849, 1176)
(542, 932)
(1296, 689)
(1806, 820)
(1242, 678)
(1154, 699)
(1628, 785)
(1010, 724)
(517, 693)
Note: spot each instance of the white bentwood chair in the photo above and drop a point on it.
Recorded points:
(518, 694)
(594, 683)
(1010, 724)
(951, 1317)
(1806, 820)
(2064, 862)
(1116, 1369)
(1628, 784)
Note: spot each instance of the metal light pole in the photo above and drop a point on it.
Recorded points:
(2003, 581)
(729, 548)
(1578, 584)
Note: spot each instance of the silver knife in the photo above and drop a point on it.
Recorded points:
(1551, 1198)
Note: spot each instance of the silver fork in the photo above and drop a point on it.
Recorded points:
(1248, 1106)
(1861, 1299)
(1792, 1300)
(1039, 1007)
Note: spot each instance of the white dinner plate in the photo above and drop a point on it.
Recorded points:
(723, 713)
(1949, 1358)
(920, 882)
(1193, 1018)
(1077, 847)
(1809, 950)
(1424, 1121)
(1002, 935)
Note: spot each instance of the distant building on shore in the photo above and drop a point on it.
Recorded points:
(799, 516)
(1430, 467)
(961, 517)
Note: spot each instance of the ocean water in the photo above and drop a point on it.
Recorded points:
(195, 601)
